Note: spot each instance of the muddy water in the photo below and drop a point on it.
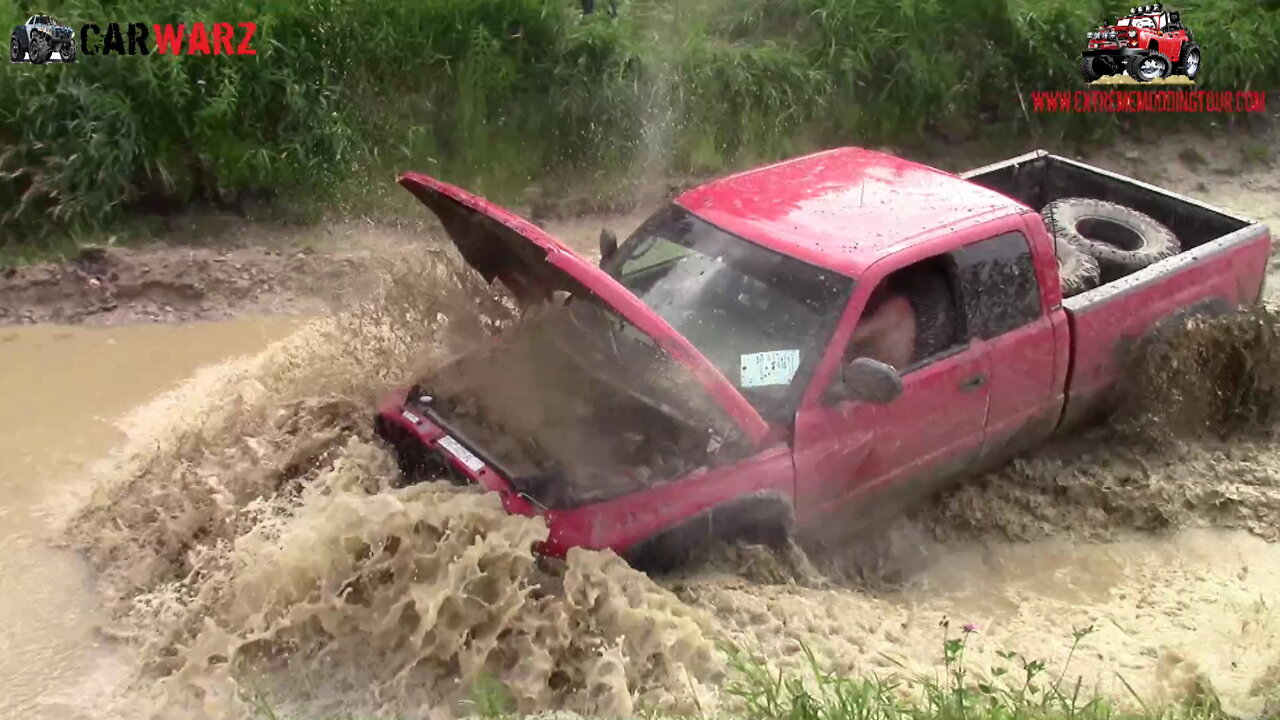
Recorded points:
(1170, 615)
(64, 388)
(244, 534)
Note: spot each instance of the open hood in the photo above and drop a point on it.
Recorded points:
(502, 245)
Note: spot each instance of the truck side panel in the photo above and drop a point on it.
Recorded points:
(1107, 322)
(1029, 364)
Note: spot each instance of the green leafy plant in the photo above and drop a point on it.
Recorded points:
(493, 95)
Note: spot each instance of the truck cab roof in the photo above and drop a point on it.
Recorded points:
(843, 209)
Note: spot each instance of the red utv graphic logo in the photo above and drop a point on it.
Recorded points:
(41, 38)
(1148, 44)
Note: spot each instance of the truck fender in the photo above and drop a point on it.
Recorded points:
(765, 517)
(1209, 307)
(20, 32)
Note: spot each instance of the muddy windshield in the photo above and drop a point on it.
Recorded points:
(759, 316)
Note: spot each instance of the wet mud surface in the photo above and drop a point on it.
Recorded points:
(112, 286)
(249, 541)
(255, 269)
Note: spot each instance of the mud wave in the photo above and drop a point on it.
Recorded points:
(252, 544)
(1207, 377)
(1194, 445)
(403, 601)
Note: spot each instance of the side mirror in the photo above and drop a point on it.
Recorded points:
(608, 244)
(871, 381)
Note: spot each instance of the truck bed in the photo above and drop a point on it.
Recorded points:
(1223, 263)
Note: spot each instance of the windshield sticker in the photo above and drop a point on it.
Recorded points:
(775, 367)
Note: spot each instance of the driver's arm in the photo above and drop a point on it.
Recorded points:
(887, 334)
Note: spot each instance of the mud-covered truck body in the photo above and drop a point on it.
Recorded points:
(705, 380)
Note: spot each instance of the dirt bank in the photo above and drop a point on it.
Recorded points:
(259, 270)
(116, 285)
(198, 273)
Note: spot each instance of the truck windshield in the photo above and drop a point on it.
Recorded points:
(761, 317)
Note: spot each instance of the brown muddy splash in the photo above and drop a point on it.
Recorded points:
(1193, 446)
(403, 600)
(1207, 377)
(251, 541)
(259, 428)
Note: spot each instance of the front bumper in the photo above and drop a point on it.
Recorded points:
(1116, 52)
(418, 436)
(619, 523)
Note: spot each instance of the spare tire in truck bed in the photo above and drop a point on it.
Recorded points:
(1121, 239)
(1077, 270)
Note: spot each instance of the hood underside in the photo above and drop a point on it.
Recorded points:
(568, 419)
(501, 245)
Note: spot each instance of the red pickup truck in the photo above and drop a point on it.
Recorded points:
(704, 379)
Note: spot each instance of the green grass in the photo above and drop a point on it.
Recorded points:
(1019, 688)
(494, 95)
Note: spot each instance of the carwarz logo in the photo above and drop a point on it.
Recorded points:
(41, 36)
(223, 39)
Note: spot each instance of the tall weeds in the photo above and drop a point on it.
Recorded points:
(495, 94)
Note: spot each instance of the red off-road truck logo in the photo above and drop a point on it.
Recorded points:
(1149, 44)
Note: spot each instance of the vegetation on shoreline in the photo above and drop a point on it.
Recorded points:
(499, 94)
(1020, 688)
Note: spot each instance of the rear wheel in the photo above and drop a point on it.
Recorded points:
(1145, 68)
(15, 49)
(1191, 61)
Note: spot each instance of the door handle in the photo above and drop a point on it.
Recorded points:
(974, 382)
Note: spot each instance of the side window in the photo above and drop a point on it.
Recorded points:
(998, 285)
(911, 319)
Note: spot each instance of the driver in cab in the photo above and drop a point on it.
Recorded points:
(886, 331)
